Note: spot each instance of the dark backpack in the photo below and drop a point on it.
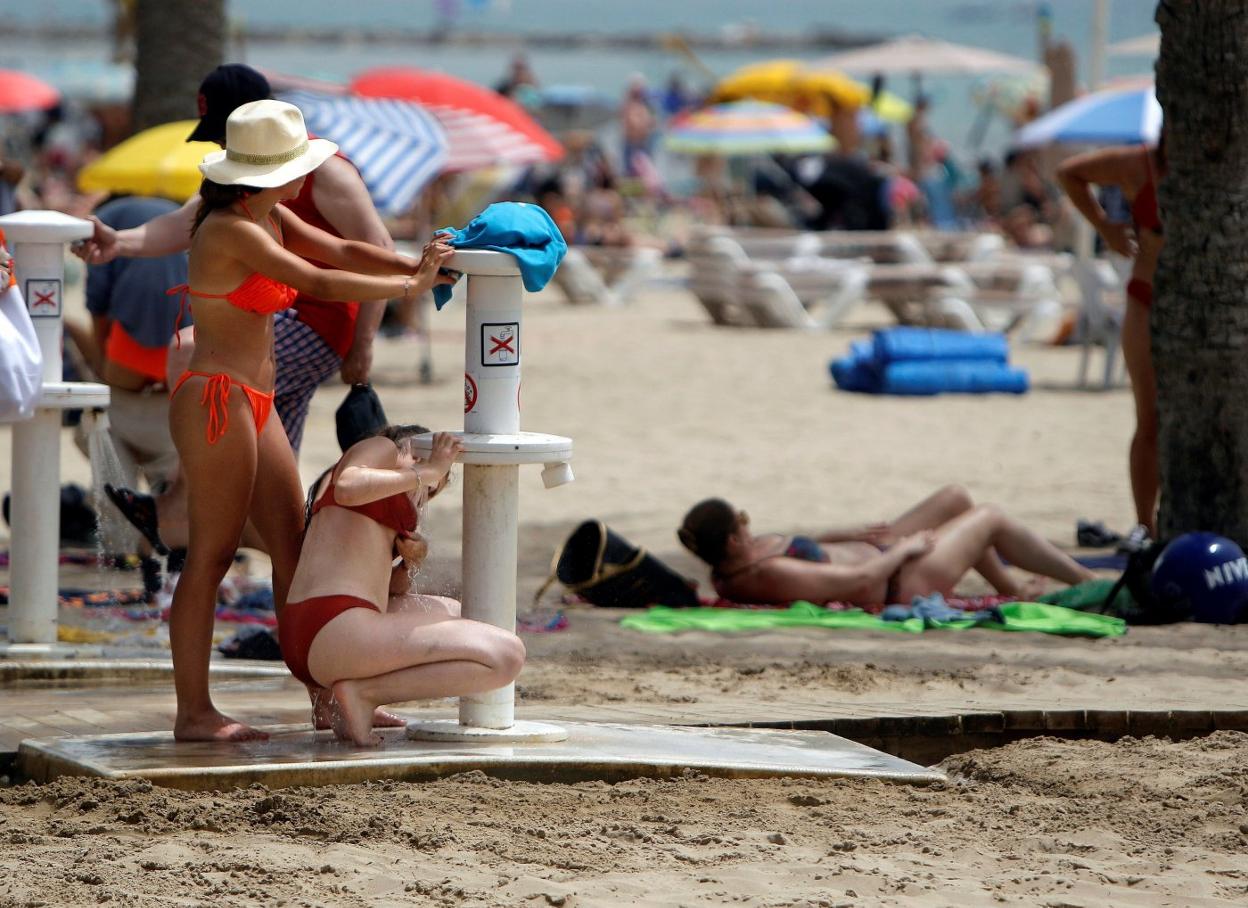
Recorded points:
(1140, 605)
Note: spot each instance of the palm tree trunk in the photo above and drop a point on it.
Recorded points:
(1200, 317)
(177, 43)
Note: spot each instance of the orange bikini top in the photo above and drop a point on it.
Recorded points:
(258, 292)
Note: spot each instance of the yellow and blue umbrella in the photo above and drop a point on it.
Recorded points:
(746, 128)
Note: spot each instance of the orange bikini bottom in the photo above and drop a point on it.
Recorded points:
(216, 398)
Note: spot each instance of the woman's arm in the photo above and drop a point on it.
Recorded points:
(376, 472)
(360, 256)
(786, 579)
(1108, 167)
(164, 235)
(252, 245)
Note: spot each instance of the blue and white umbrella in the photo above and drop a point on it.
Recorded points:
(397, 146)
(1118, 117)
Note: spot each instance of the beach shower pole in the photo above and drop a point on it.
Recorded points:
(39, 239)
(494, 449)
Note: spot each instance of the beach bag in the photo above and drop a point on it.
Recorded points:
(603, 568)
(21, 362)
(359, 416)
(1143, 606)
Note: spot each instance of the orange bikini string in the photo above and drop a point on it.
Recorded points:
(216, 398)
(185, 290)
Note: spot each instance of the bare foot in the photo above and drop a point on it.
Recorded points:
(323, 712)
(213, 726)
(1032, 587)
(354, 715)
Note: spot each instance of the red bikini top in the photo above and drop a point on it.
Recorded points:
(395, 512)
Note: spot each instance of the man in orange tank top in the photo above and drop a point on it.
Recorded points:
(314, 339)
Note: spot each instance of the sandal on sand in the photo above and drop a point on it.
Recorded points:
(140, 510)
(1095, 535)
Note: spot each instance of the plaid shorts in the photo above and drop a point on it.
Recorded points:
(304, 361)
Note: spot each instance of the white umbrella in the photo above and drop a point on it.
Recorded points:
(1121, 117)
(1143, 46)
(916, 54)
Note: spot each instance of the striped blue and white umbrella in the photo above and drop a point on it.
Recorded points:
(397, 146)
(1117, 117)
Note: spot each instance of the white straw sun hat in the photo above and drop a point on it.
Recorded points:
(266, 145)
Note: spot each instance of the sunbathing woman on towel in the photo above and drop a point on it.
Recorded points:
(926, 550)
(350, 623)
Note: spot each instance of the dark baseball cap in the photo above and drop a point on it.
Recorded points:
(223, 90)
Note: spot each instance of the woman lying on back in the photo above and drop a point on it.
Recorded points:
(929, 549)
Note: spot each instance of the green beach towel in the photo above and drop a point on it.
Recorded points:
(1017, 616)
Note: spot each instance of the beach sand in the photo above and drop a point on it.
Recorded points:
(664, 410)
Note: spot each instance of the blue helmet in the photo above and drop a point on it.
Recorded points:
(1205, 576)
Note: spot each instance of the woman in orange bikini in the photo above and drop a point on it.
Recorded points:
(1135, 170)
(352, 624)
(248, 257)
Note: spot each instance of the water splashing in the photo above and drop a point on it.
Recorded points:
(114, 534)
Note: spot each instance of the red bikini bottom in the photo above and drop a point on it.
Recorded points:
(1141, 291)
(216, 398)
(301, 621)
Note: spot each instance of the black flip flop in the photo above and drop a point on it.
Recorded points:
(140, 510)
(1095, 535)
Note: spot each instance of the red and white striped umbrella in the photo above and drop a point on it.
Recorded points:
(483, 128)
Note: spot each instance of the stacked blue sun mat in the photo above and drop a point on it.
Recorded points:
(924, 361)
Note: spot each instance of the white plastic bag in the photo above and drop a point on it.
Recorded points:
(21, 363)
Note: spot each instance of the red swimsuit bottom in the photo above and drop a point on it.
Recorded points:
(301, 621)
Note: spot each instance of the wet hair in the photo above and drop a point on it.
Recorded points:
(706, 528)
(396, 434)
(216, 196)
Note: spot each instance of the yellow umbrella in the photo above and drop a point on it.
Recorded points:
(811, 91)
(157, 161)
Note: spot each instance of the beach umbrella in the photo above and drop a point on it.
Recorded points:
(741, 128)
(21, 91)
(157, 161)
(1143, 46)
(397, 146)
(1118, 117)
(916, 54)
(807, 90)
(483, 128)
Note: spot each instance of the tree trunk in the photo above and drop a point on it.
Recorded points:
(1200, 317)
(177, 43)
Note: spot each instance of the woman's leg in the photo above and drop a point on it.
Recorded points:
(961, 544)
(414, 654)
(219, 480)
(276, 509)
(1138, 355)
(937, 510)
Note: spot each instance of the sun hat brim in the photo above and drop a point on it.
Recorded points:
(220, 169)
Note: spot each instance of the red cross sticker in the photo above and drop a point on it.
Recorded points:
(500, 344)
(44, 296)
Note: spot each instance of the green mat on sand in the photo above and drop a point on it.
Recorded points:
(1018, 616)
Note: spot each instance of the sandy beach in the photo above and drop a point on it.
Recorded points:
(664, 410)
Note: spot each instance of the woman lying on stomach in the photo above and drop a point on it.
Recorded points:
(929, 549)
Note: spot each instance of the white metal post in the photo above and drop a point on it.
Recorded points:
(39, 239)
(494, 449)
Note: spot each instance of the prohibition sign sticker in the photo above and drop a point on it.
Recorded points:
(500, 343)
(470, 393)
(43, 298)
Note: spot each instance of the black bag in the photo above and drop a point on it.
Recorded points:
(359, 416)
(1141, 605)
(603, 568)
